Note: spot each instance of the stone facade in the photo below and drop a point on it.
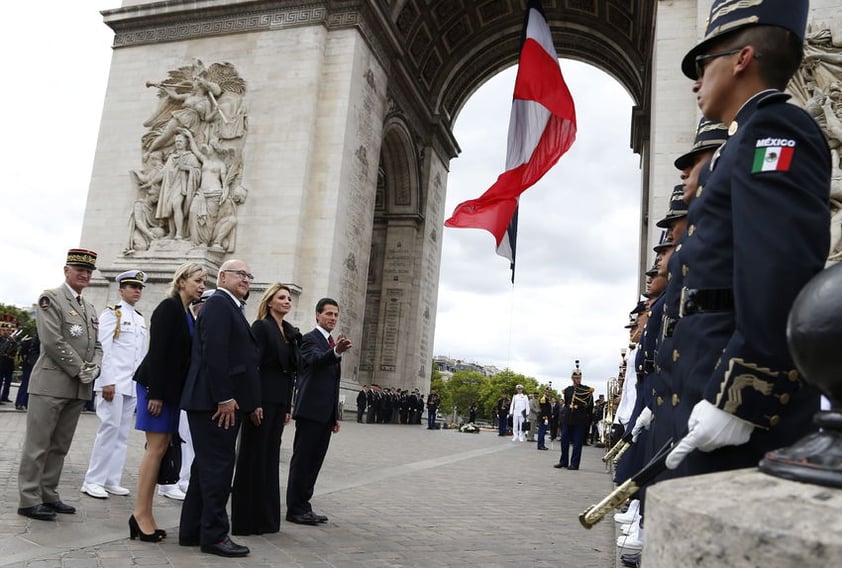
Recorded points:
(350, 107)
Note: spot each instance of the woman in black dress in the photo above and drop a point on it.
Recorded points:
(256, 494)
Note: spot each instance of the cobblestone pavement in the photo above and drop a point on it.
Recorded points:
(396, 496)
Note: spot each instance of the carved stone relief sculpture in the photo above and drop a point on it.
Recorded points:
(818, 88)
(189, 185)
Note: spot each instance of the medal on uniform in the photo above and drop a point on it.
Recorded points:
(73, 312)
(76, 330)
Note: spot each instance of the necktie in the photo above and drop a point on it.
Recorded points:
(79, 299)
(330, 341)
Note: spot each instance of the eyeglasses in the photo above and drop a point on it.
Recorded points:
(242, 274)
(702, 60)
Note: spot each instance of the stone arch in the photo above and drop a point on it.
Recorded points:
(395, 236)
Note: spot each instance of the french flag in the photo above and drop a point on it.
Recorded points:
(542, 127)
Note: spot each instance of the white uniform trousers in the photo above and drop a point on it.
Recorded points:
(187, 455)
(517, 428)
(109, 453)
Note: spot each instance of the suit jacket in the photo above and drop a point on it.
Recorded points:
(68, 334)
(318, 381)
(224, 363)
(165, 366)
(279, 360)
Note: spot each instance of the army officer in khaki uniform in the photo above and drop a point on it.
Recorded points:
(61, 382)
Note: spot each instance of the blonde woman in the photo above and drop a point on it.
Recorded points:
(256, 495)
(160, 381)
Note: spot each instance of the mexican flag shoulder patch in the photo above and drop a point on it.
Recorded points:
(773, 155)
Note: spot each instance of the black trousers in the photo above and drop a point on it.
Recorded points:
(256, 494)
(203, 514)
(308, 454)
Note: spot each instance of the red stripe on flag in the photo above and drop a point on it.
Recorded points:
(785, 159)
(539, 79)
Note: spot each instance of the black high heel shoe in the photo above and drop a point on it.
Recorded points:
(135, 532)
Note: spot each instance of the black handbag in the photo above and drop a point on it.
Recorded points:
(170, 469)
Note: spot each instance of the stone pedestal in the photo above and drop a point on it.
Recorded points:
(742, 518)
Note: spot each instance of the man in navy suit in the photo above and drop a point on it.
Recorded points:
(316, 411)
(223, 379)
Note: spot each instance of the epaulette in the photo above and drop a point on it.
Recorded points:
(777, 97)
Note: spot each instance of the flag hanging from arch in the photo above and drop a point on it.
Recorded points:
(542, 127)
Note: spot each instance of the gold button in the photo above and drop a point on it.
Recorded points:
(678, 248)
(675, 399)
(659, 401)
(773, 421)
(684, 270)
(690, 230)
(674, 355)
(699, 191)
(792, 375)
(784, 398)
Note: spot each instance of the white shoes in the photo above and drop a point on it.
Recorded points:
(172, 492)
(634, 539)
(116, 490)
(94, 490)
(630, 515)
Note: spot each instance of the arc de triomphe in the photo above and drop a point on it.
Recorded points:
(313, 139)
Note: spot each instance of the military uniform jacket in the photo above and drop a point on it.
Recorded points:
(123, 352)
(758, 227)
(578, 404)
(68, 335)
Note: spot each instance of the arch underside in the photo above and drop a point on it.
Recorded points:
(452, 47)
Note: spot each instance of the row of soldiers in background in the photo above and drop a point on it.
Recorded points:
(749, 227)
(376, 405)
(16, 350)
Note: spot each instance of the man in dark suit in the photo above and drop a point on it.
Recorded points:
(223, 379)
(316, 411)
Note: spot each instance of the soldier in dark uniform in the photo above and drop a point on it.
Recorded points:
(433, 402)
(757, 232)
(503, 414)
(362, 401)
(544, 415)
(578, 403)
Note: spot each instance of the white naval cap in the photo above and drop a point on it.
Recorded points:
(135, 277)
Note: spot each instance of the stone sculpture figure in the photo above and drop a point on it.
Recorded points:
(224, 235)
(181, 177)
(192, 154)
(818, 88)
(213, 190)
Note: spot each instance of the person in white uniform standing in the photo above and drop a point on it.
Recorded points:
(123, 335)
(518, 410)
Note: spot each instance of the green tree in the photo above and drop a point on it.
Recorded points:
(464, 388)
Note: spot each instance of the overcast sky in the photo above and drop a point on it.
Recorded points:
(578, 228)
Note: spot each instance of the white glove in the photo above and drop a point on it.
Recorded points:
(710, 428)
(642, 423)
(89, 372)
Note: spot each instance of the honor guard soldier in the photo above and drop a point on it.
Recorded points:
(61, 382)
(576, 418)
(757, 232)
(709, 136)
(123, 336)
